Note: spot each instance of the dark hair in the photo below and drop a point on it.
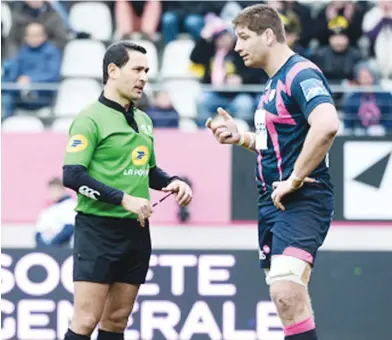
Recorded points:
(258, 18)
(55, 181)
(117, 54)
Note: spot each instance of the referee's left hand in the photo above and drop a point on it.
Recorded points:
(182, 190)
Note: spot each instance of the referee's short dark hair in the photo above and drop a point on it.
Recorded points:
(117, 54)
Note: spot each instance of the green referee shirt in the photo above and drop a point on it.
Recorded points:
(114, 153)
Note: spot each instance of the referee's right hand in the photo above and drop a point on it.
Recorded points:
(139, 206)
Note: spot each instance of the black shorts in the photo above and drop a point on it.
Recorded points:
(108, 250)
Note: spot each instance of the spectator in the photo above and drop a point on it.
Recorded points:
(292, 26)
(367, 111)
(38, 61)
(137, 16)
(182, 15)
(298, 21)
(162, 112)
(377, 25)
(55, 224)
(220, 66)
(61, 8)
(30, 11)
(338, 59)
(189, 14)
(348, 14)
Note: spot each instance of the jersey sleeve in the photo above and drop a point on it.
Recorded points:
(310, 89)
(83, 139)
(153, 162)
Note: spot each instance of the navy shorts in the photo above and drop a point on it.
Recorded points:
(299, 230)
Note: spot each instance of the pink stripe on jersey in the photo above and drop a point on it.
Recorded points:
(297, 68)
(284, 116)
(299, 254)
(300, 327)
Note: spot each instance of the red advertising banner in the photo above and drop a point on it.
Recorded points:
(29, 160)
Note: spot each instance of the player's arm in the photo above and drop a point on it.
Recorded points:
(80, 149)
(248, 141)
(316, 103)
(226, 132)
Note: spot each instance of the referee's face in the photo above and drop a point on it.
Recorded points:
(133, 76)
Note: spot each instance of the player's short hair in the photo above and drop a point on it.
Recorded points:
(117, 53)
(258, 18)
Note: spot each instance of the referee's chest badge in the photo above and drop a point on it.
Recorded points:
(140, 155)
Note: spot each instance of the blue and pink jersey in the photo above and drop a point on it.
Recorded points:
(282, 118)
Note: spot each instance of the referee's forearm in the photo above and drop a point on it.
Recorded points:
(159, 179)
(76, 178)
(316, 145)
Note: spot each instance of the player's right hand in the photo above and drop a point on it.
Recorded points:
(139, 206)
(226, 131)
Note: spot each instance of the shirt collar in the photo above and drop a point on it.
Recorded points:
(116, 106)
(128, 114)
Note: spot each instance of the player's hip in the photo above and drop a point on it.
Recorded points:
(314, 202)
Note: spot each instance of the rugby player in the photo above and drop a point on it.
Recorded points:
(110, 162)
(295, 125)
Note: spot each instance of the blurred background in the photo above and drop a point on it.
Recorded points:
(204, 281)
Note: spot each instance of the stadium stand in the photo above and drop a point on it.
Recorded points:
(172, 70)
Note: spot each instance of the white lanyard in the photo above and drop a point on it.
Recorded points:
(261, 130)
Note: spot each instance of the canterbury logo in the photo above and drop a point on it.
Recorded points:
(88, 192)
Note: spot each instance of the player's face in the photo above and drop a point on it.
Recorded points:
(253, 48)
(133, 76)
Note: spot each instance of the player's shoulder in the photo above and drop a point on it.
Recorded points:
(298, 65)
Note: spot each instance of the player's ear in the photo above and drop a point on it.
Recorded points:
(269, 37)
(113, 71)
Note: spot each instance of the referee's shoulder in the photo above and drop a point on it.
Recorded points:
(90, 111)
(144, 115)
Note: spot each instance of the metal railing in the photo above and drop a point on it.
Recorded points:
(156, 86)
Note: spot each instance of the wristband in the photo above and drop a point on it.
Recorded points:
(242, 139)
(252, 140)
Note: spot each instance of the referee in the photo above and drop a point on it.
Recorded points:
(110, 162)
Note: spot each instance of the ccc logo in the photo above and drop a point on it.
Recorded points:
(140, 155)
(88, 192)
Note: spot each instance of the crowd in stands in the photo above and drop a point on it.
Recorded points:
(194, 69)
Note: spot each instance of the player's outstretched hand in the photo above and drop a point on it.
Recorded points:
(283, 188)
(226, 131)
(182, 190)
(139, 206)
